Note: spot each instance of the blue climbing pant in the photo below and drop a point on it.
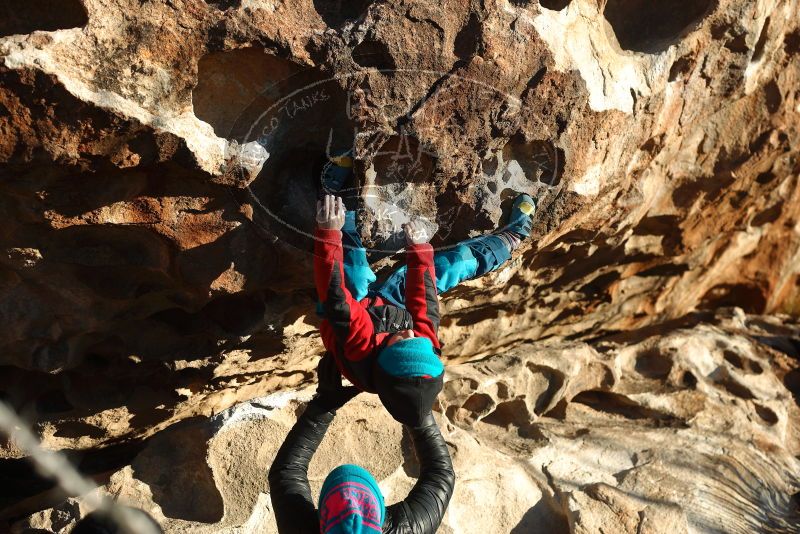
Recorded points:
(465, 260)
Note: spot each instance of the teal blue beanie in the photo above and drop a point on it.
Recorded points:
(351, 502)
(411, 357)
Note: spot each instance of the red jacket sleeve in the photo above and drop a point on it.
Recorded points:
(422, 300)
(349, 320)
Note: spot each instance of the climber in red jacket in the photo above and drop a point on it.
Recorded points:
(380, 347)
(384, 337)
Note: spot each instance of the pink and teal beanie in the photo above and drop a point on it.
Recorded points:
(351, 502)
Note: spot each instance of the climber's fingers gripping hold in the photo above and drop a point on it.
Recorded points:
(416, 233)
(330, 213)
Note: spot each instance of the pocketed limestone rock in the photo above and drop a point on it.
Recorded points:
(159, 166)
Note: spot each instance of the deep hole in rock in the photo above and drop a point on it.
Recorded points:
(99, 356)
(791, 43)
(750, 298)
(651, 26)
(725, 166)
(150, 418)
(667, 269)
(616, 404)
(26, 16)
(681, 67)
(712, 187)
(769, 416)
(337, 12)
(688, 380)
(665, 225)
(765, 177)
(725, 381)
(792, 382)
(540, 160)
(513, 412)
(222, 5)
(743, 364)
(531, 431)
(372, 54)
(653, 364)
(559, 411)
(489, 166)
(733, 359)
(569, 312)
(787, 345)
(736, 43)
(772, 96)
(556, 5)
(503, 391)
(96, 360)
(769, 215)
(467, 42)
(555, 382)
(478, 403)
(535, 80)
(474, 317)
(578, 236)
(598, 286)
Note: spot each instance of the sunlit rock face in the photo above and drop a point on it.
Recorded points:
(159, 164)
(685, 427)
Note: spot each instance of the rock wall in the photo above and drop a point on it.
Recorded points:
(157, 177)
(680, 429)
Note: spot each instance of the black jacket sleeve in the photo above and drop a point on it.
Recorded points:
(289, 491)
(422, 511)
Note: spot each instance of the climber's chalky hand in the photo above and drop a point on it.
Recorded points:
(330, 213)
(416, 233)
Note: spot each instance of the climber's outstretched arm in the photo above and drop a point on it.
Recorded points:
(422, 511)
(350, 321)
(422, 300)
(288, 477)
